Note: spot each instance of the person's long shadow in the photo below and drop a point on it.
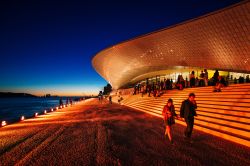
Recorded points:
(200, 138)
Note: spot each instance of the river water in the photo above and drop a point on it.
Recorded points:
(11, 109)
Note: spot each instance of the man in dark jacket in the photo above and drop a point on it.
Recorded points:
(188, 112)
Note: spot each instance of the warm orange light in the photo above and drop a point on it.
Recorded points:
(45, 112)
(60, 107)
(52, 109)
(56, 108)
(36, 114)
(3, 123)
(64, 106)
(22, 118)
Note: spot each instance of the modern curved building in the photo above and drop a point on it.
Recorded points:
(219, 40)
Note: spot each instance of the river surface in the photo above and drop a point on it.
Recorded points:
(11, 109)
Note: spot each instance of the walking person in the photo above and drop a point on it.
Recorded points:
(188, 111)
(110, 99)
(149, 90)
(70, 101)
(192, 79)
(61, 102)
(206, 77)
(67, 101)
(168, 114)
(143, 90)
(100, 96)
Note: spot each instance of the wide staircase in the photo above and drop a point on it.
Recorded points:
(224, 114)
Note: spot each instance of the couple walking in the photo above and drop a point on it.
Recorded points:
(187, 111)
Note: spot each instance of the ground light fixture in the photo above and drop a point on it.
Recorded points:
(52, 110)
(22, 118)
(3, 123)
(56, 108)
(36, 114)
(45, 112)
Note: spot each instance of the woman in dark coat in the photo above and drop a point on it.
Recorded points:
(168, 114)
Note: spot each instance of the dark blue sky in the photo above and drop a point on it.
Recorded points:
(46, 46)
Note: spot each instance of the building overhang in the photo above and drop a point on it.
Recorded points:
(219, 40)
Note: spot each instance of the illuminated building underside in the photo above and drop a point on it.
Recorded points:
(219, 40)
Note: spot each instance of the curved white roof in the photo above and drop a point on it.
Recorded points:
(220, 40)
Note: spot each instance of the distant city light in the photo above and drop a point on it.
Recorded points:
(52, 109)
(56, 108)
(36, 114)
(22, 118)
(45, 112)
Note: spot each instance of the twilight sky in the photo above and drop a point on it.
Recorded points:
(46, 46)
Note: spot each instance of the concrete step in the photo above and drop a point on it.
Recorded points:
(219, 105)
(207, 99)
(221, 134)
(234, 121)
(239, 132)
(200, 105)
(225, 114)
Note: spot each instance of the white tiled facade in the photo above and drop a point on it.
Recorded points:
(219, 40)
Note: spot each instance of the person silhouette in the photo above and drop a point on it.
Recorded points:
(61, 102)
(168, 114)
(188, 112)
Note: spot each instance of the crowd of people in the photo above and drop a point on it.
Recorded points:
(157, 88)
(242, 80)
(188, 106)
(68, 101)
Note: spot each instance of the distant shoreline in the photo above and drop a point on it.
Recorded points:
(27, 95)
(11, 94)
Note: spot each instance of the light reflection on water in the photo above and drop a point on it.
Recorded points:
(11, 109)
